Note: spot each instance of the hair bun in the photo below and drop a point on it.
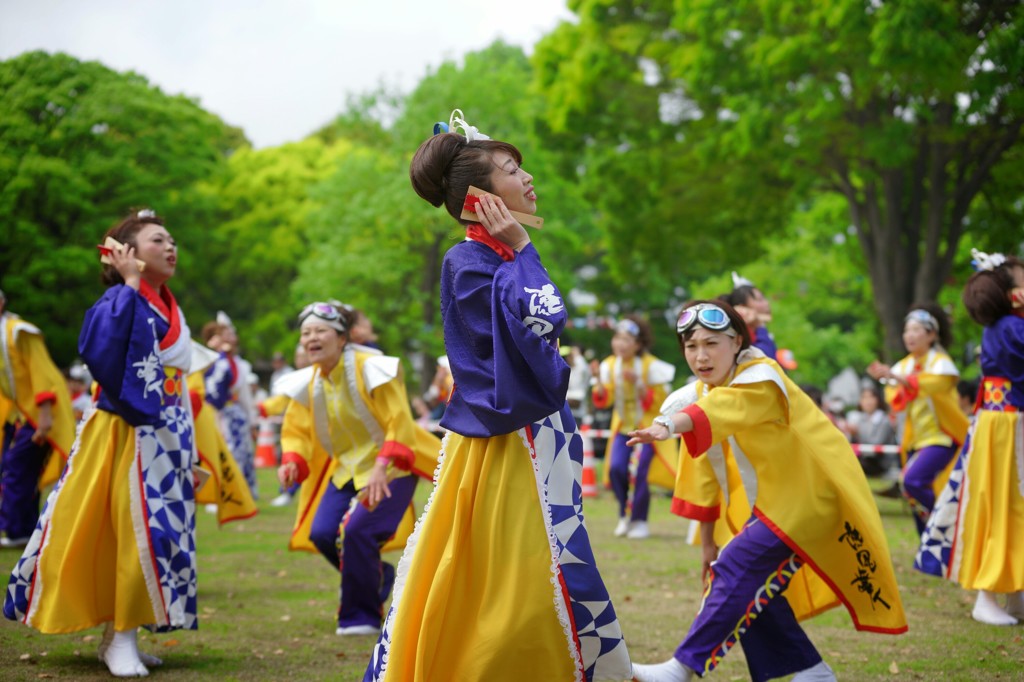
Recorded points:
(430, 165)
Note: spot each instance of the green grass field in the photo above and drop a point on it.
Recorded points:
(268, 614)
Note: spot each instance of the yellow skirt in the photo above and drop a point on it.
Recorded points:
(226, 486)
(990, 526)
(477, 600)
(89, 569)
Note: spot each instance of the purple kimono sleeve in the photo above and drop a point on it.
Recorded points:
(506, 376)
(118, 342)
(218, 382)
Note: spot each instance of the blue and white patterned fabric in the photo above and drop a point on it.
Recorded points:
(557, 451)
(934, 553)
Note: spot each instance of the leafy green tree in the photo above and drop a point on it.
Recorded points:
(378, 246)
(907, 110)
(257, 215)
(821, 297)
(79, 145)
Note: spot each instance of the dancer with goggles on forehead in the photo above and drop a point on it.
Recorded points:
(634, 383)
(349, 437)
(811, 507)
(923, 386)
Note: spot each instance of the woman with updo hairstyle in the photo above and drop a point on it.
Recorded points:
(115, 544)
(499, 582)
(634, 383)
(348, 435)
(923, 385)
(974, 535)
(753, 441)
(756, 310)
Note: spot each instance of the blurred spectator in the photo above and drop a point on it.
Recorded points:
(259, 393)
(421, 411)
(280, 365)
(79, 381)
(440, 389)
(579, 384)
(869, 424)
(967, 395)
(362, 331)
(818, 398)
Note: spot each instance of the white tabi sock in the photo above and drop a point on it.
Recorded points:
(987, 610)
(669, 671)
(122, 655)
(108, 637)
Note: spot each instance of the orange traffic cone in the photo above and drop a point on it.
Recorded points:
(589, 472)
(266, 452)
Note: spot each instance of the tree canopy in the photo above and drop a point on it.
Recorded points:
(79, 145)
(843, 156)
(907, 110)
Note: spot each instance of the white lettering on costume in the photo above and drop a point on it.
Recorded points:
(543, 301)
(149, 368)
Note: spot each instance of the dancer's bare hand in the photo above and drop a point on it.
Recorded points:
(287, 474)
(377, 486)
(124, 262)
(500, 224)
(648, 435)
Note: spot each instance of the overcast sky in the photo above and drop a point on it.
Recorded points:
(277, 68)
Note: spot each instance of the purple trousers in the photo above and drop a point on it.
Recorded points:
(20, 468)
(618, 472)
(362, 599)
(918, 476)
(744, 604)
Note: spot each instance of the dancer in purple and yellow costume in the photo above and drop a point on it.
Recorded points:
(973, 537)
(923, 385)
(498, 581)
(226, 487)
(38, 425)
(116, 541)
(634, 383)
(349, 436)
(227, 390)
(756, 310)
(811, 509)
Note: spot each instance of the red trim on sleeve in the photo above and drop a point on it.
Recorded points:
(399, 455)
(297, 460)
(699, 439)
(600, 397)
(906, 394)
(45, 396)
(647, 400)
(696, 512)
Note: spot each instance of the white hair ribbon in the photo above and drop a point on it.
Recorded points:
(984, 261)
(457, 121)
(740, 281)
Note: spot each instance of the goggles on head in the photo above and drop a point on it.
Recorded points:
(707, 315)
(924, 318)
(628, 326)
(325, 312)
